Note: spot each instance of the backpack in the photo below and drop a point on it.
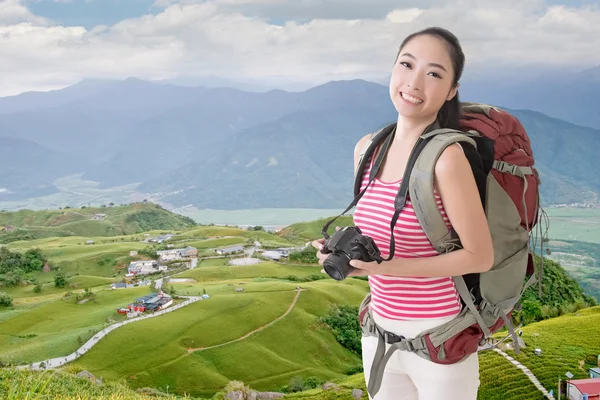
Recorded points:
(500, 155)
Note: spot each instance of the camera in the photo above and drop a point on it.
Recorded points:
(345, 245)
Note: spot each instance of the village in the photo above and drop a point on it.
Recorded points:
(140, 272)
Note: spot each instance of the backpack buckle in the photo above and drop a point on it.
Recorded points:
(492, 309)
(392, 338)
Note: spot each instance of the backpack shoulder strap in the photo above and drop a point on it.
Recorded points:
(367, 150)
(421, 188)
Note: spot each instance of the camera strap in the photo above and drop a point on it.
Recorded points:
(374, 172)
(401, 196)
(400, 200)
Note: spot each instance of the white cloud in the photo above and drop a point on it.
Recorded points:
(234, 38)
(12, 11)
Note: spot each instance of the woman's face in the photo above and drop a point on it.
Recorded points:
(422, 78)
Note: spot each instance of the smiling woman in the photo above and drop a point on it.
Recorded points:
(412, 290)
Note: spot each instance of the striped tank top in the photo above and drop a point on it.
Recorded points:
(396, 297)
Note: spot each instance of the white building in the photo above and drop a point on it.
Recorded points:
(230, 250)
(145, 267)
(177, 254)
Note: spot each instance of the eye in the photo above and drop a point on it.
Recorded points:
(406, 64)
(435, 75)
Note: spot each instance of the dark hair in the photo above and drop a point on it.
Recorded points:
(449, 114)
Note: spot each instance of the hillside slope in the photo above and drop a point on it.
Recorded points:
(119, 220)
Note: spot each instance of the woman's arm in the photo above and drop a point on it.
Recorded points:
(462, 203)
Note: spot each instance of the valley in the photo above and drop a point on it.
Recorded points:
(260, 323)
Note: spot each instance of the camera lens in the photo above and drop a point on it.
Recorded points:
(337, 267)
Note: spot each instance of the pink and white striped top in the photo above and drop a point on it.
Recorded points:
(396, 297)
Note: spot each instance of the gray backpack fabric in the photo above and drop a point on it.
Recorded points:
(500, 155)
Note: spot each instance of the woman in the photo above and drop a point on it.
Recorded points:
(414, 291)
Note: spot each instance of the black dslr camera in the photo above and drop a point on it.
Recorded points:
(347, 244)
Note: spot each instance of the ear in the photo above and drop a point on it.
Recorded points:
(452, 92)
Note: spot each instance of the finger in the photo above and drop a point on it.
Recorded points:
(337, 228)
(323, 271)
(317, 244)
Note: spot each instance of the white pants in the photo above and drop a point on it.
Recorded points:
(410, 377)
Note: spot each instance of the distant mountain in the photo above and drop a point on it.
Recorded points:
(226, 148)
(573, 97)
(39, 100)
(305, 160)
(301, 160)
(28, 169)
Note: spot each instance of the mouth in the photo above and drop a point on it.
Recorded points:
(411, 99)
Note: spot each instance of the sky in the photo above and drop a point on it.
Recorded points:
(49, 44)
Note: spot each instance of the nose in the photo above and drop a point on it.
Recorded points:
(415, 88)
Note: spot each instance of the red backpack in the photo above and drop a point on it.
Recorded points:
(501, 159)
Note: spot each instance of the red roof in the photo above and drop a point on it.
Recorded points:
(590, 386)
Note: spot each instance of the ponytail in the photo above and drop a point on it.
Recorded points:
(450, 113)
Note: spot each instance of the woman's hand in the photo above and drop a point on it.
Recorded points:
(362, 268)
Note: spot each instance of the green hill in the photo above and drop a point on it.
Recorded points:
(59, 385)
(256, 327)
(568, 343)
(312, 230)
(118, 220)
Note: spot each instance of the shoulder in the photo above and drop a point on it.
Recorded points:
(359, 147)
(452, 163)
(361, 143)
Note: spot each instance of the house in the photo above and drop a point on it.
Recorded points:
(9, 228)
(162, 238)
(89, 242)
(278, 253)
(98, 217)
(594, 372)
(581, 389)
(177, 254)
(284, 251)
(145, 267)
(118, 285)
(152, 302)
(230, 250)
(188, 252)
(273, 255)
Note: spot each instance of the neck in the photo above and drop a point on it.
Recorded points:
(409, 130)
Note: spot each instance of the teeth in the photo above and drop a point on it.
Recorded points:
(410, 98)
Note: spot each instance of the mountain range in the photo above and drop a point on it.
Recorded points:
(227, 148)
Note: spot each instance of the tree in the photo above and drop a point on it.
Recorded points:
(5, 300)
(531, 311)
(60, 281)
(296, 384)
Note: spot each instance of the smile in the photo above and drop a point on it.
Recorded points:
(410, 99)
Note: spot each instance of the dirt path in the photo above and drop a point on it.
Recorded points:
(60, 361)
(285, 314)
(527, 373)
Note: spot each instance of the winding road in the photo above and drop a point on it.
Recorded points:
(60, 361)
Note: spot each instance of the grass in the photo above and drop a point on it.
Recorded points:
(312, 230)
(222, 272)
(565, 342)
(25, 294)
(153, 353)
(230, 236)
(51, 328)
(59, 385)
(293, 346)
